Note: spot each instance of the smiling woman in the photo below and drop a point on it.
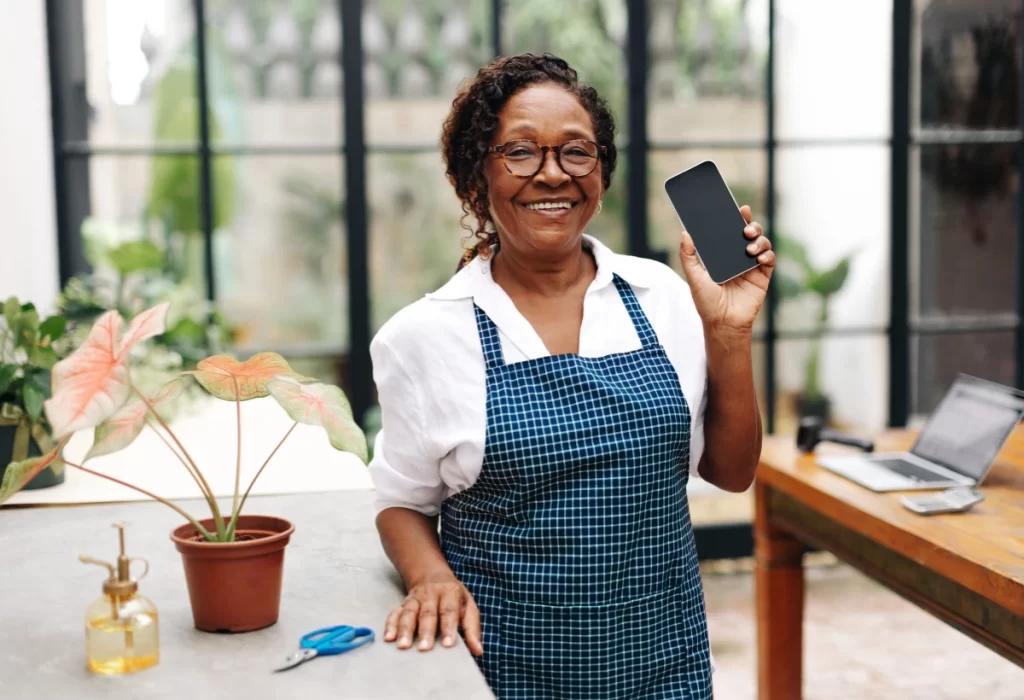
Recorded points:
(582, 132)
(548, 404)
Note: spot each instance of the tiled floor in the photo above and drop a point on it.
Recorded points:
(860, 641)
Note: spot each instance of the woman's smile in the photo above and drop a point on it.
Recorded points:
(550, 209)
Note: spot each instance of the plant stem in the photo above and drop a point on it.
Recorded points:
(238, 461)
(143, 491)
(217, 517)
(206, 494)
(237, 512)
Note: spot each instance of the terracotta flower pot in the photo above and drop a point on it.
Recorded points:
(235, 586)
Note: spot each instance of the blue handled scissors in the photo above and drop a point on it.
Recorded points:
(327, 642)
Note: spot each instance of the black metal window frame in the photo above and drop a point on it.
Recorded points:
(72, 150)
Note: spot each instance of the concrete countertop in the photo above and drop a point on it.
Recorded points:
(335, 573)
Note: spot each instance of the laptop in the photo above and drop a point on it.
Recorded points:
(956, 446)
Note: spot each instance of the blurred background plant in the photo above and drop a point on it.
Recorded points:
(797, 277)
(174, 189)
(29, 348)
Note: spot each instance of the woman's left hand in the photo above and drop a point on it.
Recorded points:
(733, 306)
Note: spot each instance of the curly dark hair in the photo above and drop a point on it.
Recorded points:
(473, 121)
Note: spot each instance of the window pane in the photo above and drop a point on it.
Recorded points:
(970, 64)
(140, 72)
(844, 379)
(832, 238)
(416, 54)
(280, 251)
(589, 34)
(148, 197)
(967, 239)
(833, 71)
(273, 71)
(744, 171)
(938, 359)
(707, 63)
(415, 233)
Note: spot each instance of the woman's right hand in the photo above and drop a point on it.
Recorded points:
(437, 599)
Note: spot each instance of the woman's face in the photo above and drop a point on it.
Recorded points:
(548, 114)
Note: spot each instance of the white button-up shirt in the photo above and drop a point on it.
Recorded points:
(431, 380)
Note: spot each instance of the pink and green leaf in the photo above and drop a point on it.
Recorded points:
(322, 405)
(20, 473)
(92, 383)
(121, 429)
(149, 323)
(220, 375)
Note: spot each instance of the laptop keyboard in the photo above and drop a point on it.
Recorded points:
(910, 470)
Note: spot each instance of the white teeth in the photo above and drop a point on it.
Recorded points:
(550, 205)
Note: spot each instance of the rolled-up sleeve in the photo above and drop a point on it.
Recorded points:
(403, 470)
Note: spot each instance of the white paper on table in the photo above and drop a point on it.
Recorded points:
(305, 463)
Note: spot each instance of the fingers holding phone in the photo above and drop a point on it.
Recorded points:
(759, 247)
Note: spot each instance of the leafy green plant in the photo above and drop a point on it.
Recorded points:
(29, 348)
(93, 388)
(796, 276)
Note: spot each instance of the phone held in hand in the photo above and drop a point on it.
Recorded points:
(709, 213)
(957, 499)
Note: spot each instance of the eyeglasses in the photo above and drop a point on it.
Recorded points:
(525, 158)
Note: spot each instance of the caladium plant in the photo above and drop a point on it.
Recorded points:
(92, 389)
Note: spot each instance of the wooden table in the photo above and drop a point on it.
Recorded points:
(966, 569)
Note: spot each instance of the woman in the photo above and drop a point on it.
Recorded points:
(547, 405)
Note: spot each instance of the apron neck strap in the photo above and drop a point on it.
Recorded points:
(643, 327)
(489, 338)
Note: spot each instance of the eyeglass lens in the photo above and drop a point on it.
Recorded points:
(577, 158)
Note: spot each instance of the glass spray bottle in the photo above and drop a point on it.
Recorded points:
(121, 630)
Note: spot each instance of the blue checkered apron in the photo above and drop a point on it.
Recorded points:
(575, 540)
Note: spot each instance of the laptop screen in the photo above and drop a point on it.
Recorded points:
(970, 426)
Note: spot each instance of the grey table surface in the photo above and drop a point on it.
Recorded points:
(335, 573)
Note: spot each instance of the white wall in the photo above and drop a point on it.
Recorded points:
(28, 229)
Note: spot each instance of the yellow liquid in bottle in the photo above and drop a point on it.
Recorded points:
(122, 646)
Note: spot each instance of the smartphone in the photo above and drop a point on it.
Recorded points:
(709, 213)
(956, 499)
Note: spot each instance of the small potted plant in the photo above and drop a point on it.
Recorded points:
(233, 562)
(28, 351)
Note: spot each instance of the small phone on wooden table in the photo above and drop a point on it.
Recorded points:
(957, 499)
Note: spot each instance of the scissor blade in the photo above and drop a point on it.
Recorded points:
(295, 659)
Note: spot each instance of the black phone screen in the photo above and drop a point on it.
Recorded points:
(709, 213)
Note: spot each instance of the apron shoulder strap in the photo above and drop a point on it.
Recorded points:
(489, 338)
(643, 327)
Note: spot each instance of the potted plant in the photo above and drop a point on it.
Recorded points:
(796, 276)
(233, 562)
(28, 351)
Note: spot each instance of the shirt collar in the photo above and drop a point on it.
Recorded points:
(474, 280)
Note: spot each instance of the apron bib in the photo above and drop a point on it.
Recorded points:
(575, 540)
